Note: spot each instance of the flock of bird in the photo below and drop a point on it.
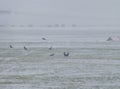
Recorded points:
(52, 54)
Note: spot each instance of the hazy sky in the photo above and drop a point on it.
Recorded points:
(82, 12)
(95, 11)
(80, 9)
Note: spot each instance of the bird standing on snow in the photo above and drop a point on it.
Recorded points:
(50, 48)
(43, 38)
(52, 54)
(11, 46)
(25, 48)
(66, 54)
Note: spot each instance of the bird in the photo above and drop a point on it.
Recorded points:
(43, 38)
(25, 48)
(11, 46)
(50, 48)
(52, 54)
(66, 54)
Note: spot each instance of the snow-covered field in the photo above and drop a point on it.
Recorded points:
(34, 34)
(91, 65)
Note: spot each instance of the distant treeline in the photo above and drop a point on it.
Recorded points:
(48, 26)
(5, 12)
(55, 25)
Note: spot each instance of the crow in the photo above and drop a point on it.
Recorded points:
(66, 54)
(25, 48)
(43, 38)
(52, 54)
(11, 46)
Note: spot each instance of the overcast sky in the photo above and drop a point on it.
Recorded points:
(76, 10)
(82, 12)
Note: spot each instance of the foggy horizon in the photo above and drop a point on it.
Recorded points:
(25, 17)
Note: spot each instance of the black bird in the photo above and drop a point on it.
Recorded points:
(11, 46)
(50, 48)
(66, 54)
(52, 54)
(25, 48)
(43, 38)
